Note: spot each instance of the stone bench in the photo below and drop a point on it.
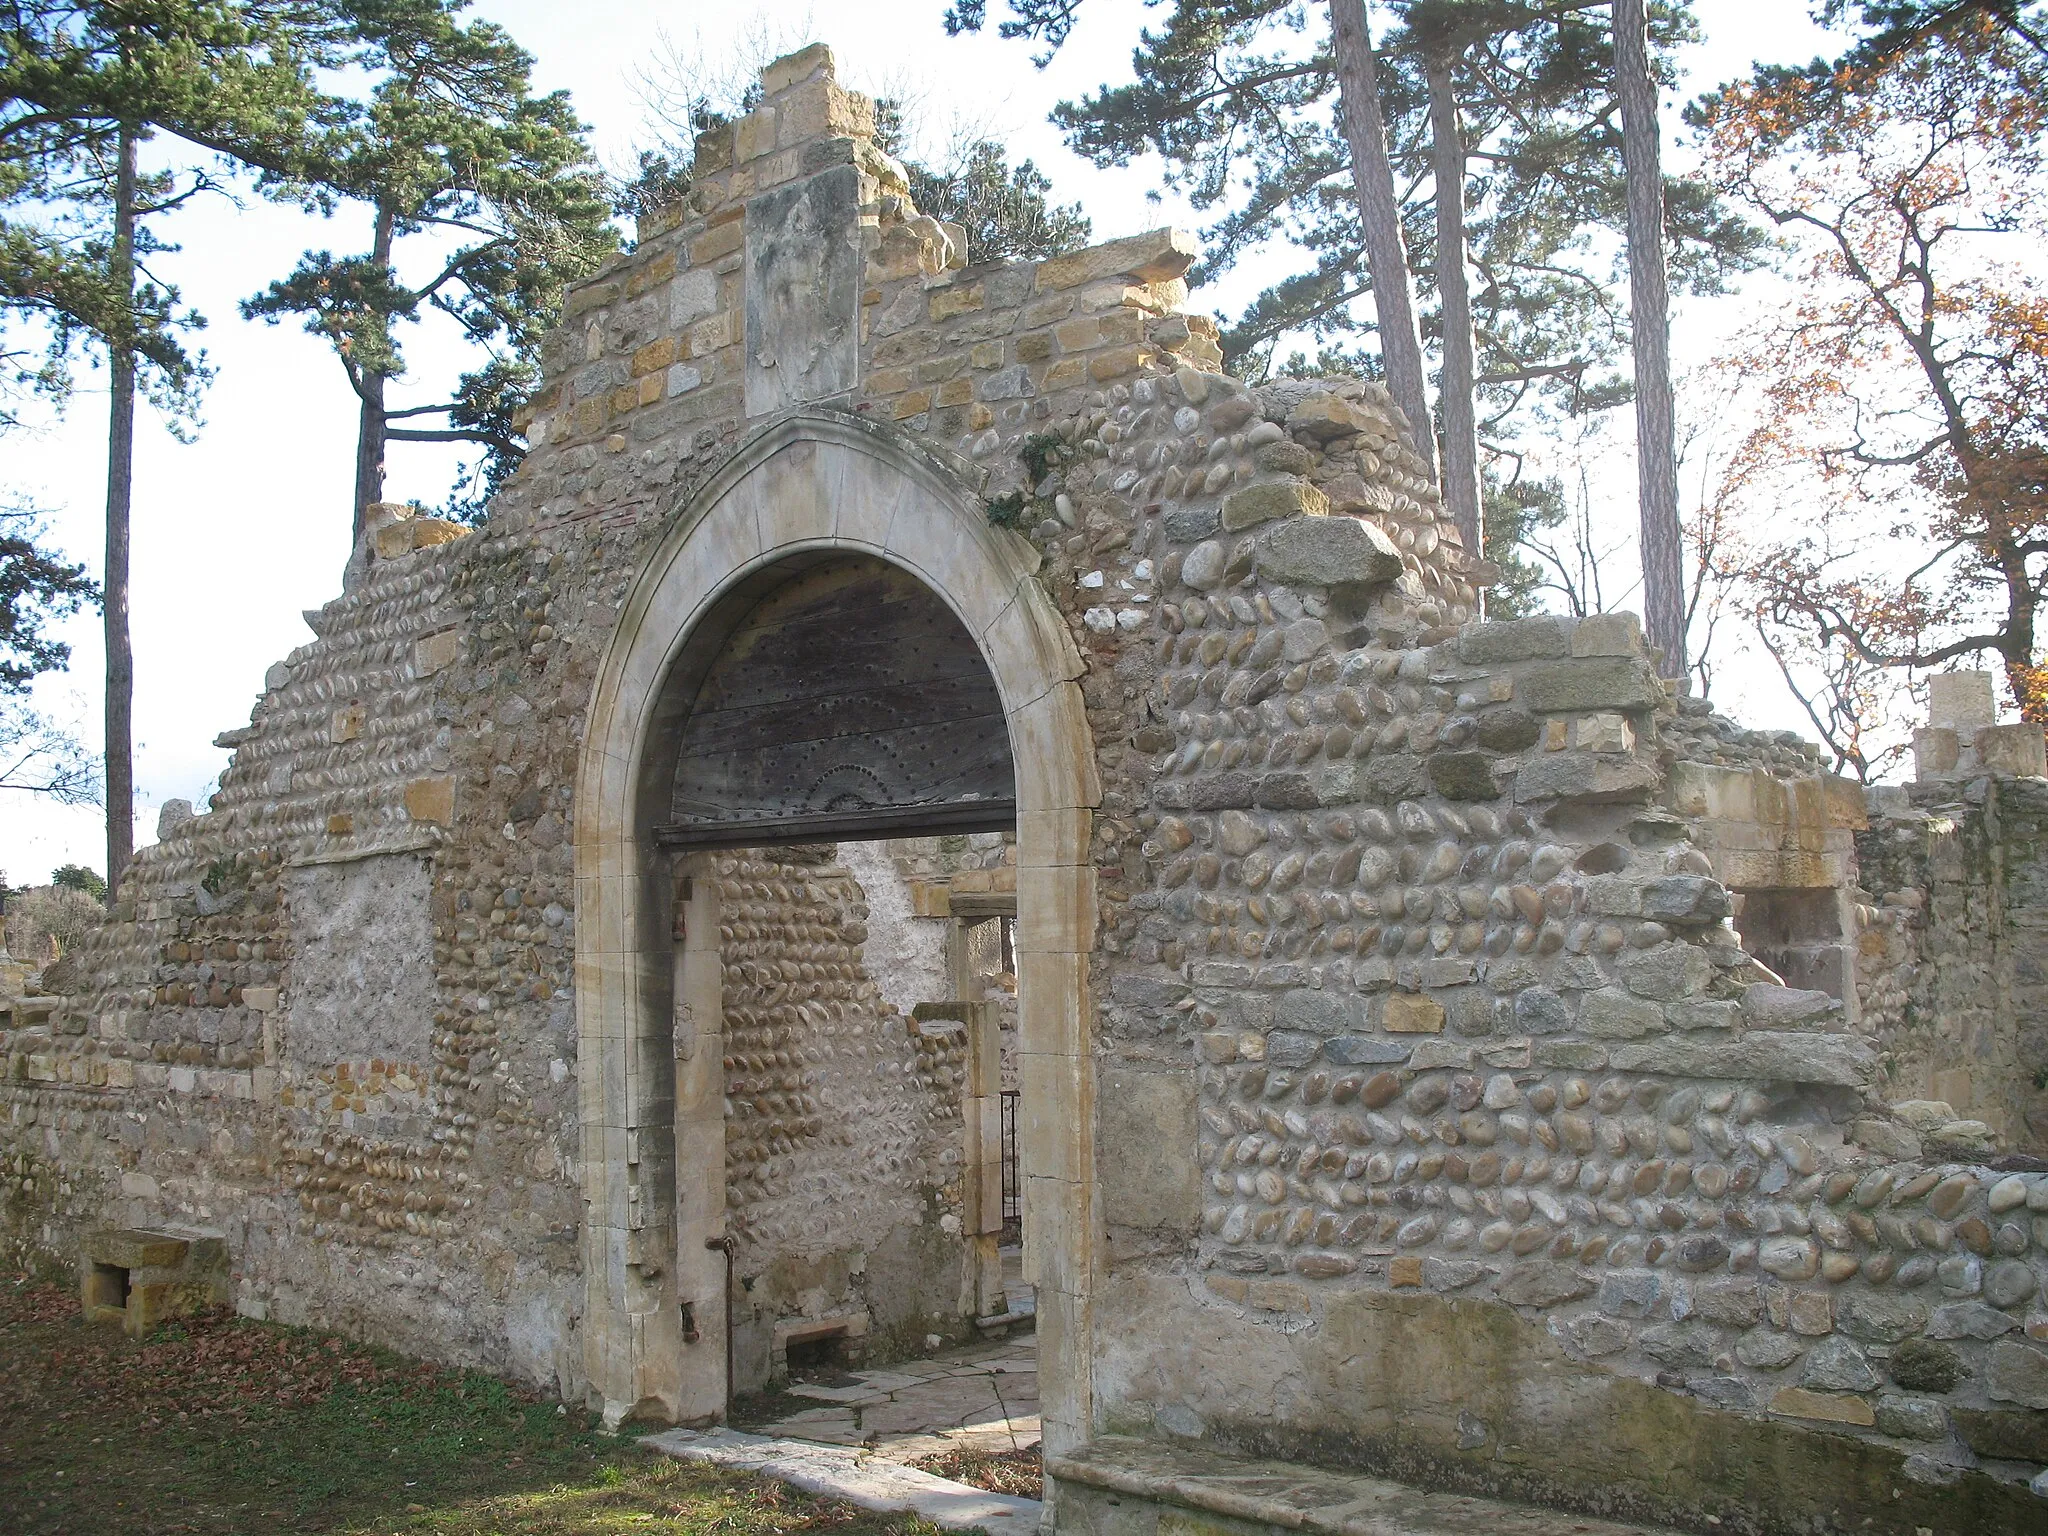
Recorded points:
(1124, 1486)
(139, 1278)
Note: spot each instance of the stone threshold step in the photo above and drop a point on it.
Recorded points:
(1295, 1497)
(857, 1476)
(1004, 1320)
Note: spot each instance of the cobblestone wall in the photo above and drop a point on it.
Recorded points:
(1422, 1031)
(1439, 920)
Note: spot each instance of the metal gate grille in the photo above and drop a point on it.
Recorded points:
(1013, 1186)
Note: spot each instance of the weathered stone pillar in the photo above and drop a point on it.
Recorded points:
(701, 1269)
(982, 1179)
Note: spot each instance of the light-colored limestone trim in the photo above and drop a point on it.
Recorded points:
(851, 1473)
(809, 482)
(425, 842)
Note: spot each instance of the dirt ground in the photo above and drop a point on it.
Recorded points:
(223, 1425)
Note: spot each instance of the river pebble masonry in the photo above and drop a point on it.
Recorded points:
(1443, 1050)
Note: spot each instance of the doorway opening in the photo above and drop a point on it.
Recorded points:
(868, 1027)
(843, 866)
(828, 645)
(861, 1107)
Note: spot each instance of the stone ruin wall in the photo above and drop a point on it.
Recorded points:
(333, 1019)
(424, 1191)
(1444, 1125)
(1955, 958)
(1446, 926)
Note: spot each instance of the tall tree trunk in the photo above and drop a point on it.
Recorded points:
(370, 427)
(1454, 392)
(120, 703)
(2027, 679)
(1663, 542)
(1379, 215)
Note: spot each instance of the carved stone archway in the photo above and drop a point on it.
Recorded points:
(808, 483)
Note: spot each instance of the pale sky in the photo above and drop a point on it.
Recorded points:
(240, 531)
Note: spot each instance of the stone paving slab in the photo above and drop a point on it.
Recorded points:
(919, 1415)
(866, 1392)
(1311, 1499)
(980, 1397)
(1018, 1433)
(859, 1477)
(804, 1418)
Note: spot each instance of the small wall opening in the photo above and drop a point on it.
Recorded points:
(106, 1285)
(1798, 934)
(828, 1354)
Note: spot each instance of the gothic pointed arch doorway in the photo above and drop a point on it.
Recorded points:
(829, 640)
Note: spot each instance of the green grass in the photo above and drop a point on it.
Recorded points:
(223, 1425)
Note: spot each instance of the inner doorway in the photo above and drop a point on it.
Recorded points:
(875, 1300)
(865, 1164)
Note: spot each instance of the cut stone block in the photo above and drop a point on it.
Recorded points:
(1538, 639)
(398, 539)
(1937, 750)
(1589, 683)
(1962, 701)
(1155, 257)
(1410, 1013)
(1831, 1407)
(1325, 416)
(2019, 751)
(1320, 551)
(1608, 634)
(1273, 501)
(139, 1277)
(431, 800)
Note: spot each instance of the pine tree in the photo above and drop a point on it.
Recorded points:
(1379, 218)
(1661, 542)
(1444, 35)
(37, 586)
(492, 193)
(1518, 509)
(1006, 209)
(1237, 98)
(1896, 29)
(82, 85)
